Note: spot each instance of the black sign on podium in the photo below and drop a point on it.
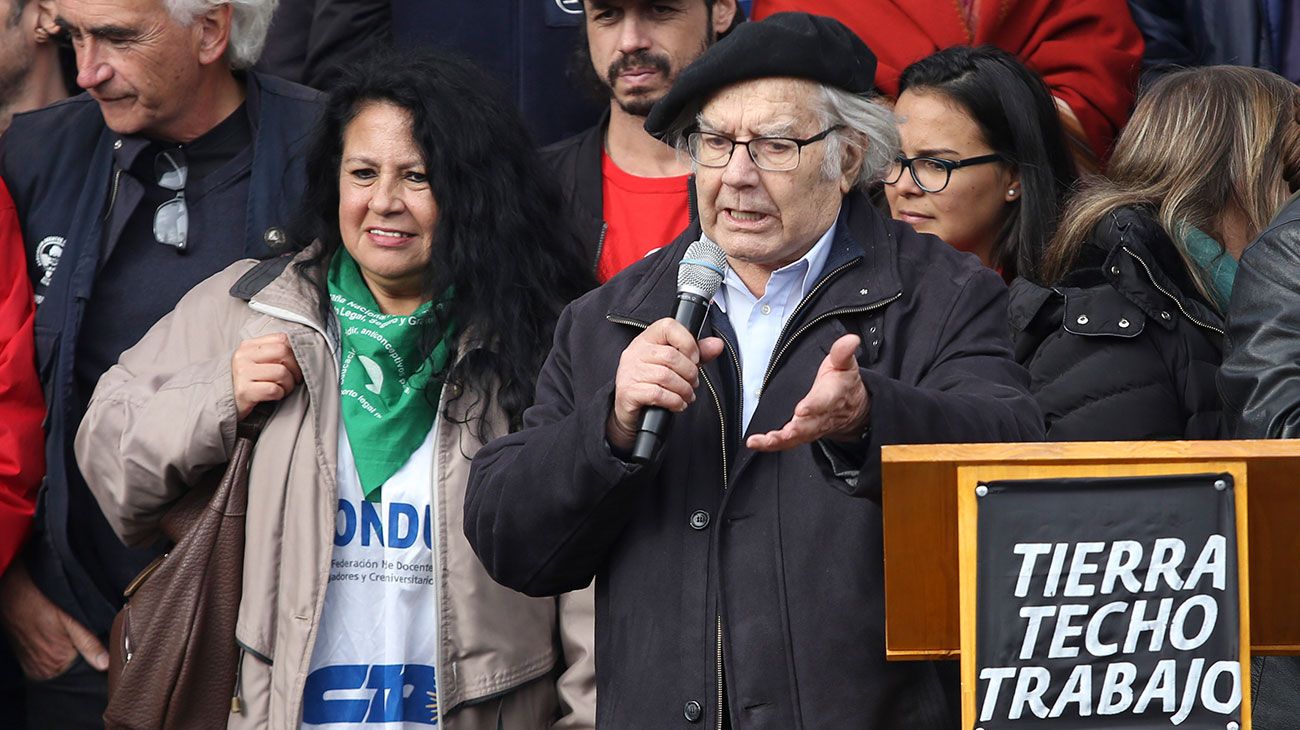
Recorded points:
(1108, 603)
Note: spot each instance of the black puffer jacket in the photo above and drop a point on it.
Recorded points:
(1124, 348)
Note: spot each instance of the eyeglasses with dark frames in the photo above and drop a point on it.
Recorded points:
(171, 222)
(932, 174)
(774, 154)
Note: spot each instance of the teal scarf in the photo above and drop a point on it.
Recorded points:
(389, 396)
(1219, 266)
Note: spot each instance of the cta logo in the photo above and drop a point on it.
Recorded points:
(357, 693)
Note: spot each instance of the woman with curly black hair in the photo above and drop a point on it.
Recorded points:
(405, 332)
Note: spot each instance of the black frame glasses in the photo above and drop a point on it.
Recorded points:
(171, 222)
(767, 155)
(895, 173)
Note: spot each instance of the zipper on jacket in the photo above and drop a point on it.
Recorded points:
(237, 707)
(832, 313)
(127, 651)
(785, 344)
(740, 402)
(771, 365)
(717, 401)
(112, 197)
(437, 564)
(236, 698)
(722, 421)
(600, 247)
(719, 672)
(1171, 297)
(726, 481)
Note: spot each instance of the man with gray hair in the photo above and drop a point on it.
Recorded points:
(738, 567)
(176, 162)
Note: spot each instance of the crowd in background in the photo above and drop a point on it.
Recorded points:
(242, 179)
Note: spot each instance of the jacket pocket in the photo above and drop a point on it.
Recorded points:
(1101, 312)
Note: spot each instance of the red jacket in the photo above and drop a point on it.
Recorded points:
(1088, 51)
(22, 407)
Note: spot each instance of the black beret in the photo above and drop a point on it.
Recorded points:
(785, 44)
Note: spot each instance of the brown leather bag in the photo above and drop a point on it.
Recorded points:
(172, 655)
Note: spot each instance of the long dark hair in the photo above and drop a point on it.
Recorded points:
(503, 243)
(1016, 115)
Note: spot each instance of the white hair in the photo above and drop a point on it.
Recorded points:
(249, 21)
(865, 124)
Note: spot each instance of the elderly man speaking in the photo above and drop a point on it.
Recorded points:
(739, 571)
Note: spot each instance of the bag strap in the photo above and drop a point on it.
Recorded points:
(255, 279)
(251, 427)
(246, 287)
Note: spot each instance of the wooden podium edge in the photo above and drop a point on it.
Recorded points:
(1104, 452)
(1239, 471)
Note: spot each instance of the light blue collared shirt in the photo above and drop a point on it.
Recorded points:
(758, 321)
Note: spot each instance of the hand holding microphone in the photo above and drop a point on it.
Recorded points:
(658, 373)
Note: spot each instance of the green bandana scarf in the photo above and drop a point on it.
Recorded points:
(389, 400)
(1218, 265)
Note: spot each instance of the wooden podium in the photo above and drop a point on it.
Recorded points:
(930, 521)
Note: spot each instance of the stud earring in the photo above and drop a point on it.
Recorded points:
(1012, 192)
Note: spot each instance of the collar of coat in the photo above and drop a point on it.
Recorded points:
(276, 288)
(863, 261)
(277, 285)
(1151, 272)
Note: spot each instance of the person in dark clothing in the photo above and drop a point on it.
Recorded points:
(175, 164)
(1180, 33)
(747, 552)
(525, 44)
(311, 41)
(1124, 340)
(1260, 377)
(628, 193)
(1260, 383)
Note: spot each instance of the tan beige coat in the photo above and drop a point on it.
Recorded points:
(165, 414)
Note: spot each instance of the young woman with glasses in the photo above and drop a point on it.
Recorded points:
(1125, 339)
(984, 163)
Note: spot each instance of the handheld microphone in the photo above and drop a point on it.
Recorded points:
(698, 277)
